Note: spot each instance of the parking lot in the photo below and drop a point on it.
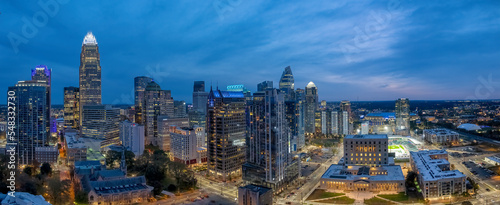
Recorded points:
(478, 170)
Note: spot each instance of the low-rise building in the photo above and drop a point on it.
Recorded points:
(22, 198)
(441, 136)
(387, 178)
(46, 154)
(255, 195)
(75, 148)
(494, 160)
(434, 175)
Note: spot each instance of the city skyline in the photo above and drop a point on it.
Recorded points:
(224, 44)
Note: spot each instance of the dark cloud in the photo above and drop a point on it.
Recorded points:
(378, 50)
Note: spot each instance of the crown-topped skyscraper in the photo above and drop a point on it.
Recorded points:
(90, 72)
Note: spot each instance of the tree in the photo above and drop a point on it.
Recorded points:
(46, 169)
(410, 179)
(157, 187)
(28, 170)
(111, 158)
(57, 190)
(81, 197)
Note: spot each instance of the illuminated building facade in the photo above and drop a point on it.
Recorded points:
(365, 166)
(268, 143)
(140, 84)
(403, 116)
(311, 105)
(434, 174)
(156, 102)
(32, 122)
(72, 107)
(226, 131)
(90, 72)
(43, 74)
(101, 122)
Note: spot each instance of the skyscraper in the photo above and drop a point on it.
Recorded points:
(345, 117)
(403, 116)
(156, 102)
(42, 73)
(226, 128)
(300, 99)
(311, 105)
(287, 83)
(268, 154)
(199, 86)
(72, 107)
(140, 84)
(90, 72)
(31, 118)
(180, 109)
(200, 97)
(264, 85)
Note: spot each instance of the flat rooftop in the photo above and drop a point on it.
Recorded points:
(431, 169)
(336, 171)
(366, 137)
(440, 132)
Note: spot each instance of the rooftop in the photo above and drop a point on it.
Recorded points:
(366, 137)
(336, 171)
(255, 188)
(431, 168)
(89, 39)
(440, 132)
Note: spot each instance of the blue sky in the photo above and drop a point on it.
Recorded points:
(354, 50)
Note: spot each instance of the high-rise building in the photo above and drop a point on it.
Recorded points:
(199, 86)
(345, 123)
(72, 107)
(311, 105)
(140, 84)
(300, 99)
(183, 145)
(180, 109)
(264, 85)
(226, 130)
(42, 73)
(200, 97)
(403, 116)
(345, 118)
(156, 102)
(196, 118)
(268, 143)
(287, 84)
(132, 137)
(101, 122)
(32, 123)
(335, 122)
(90, 73)
(164, 124)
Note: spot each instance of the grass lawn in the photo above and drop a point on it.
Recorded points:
(339, 200)
(395, 197)
(397, 147)
(321, 194)
(376, 201)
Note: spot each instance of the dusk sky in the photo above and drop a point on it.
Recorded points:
(352, 50)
